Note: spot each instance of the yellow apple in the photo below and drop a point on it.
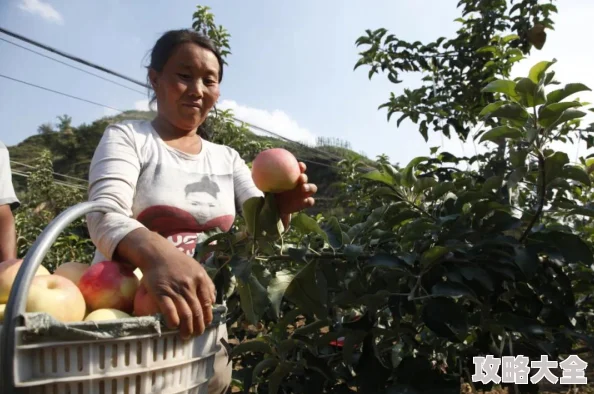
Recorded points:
(8, 273)
(71, 270)
(106, 314)
(56, 296)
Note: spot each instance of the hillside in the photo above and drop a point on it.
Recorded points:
(73, 149)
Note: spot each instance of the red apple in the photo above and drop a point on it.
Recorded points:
(71, 270)
(275, 170)
(109, 285)
(144, 305)
(8, 273)
(56, 296)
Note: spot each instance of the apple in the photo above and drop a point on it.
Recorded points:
(144, 305)
(2, 309)
(109, 284)
(8, 273)
(56, 296)
(71, 270)
(106, 314)
(275, 170)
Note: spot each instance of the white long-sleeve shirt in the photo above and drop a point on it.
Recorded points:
(7, 194)
(178, 195)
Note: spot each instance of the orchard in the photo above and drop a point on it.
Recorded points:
(429, 265)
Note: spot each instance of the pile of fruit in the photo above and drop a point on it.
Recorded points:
(80, 292)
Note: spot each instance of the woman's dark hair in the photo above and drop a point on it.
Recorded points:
(165, 46)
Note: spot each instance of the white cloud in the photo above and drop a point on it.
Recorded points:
(44, 10)
(276, 121)
(142, 105)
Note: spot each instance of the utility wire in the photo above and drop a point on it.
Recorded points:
(71, 66)
(93, 65)
(55, 173)
(61, 93)
(119, 110)
(25, 175)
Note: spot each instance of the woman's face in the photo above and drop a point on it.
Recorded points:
(188, 86)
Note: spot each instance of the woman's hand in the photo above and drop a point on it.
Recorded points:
(178, 283)
(297, 199)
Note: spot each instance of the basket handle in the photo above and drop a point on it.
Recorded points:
(15, 307)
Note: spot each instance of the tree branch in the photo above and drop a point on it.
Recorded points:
(541, 196)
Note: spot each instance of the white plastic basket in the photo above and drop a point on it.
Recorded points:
(129, 356)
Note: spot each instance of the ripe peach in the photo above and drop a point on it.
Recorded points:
(275, 170)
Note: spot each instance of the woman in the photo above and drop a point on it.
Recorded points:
(175, 186)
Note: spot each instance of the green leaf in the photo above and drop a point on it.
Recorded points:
(554, 165)
(520, 324)
(527, 261)
(538, 70)
(424, 183)
(251, 212)
(478, 274)
(308, 291)
(492, 107)
(513, 112)
(253, 297)
(548, 114)
(492, 184)
(275, 379)
(311, 328)
(509, 38)
(571, 88)
(432, 255)
(441, 189)
(393, 172)
(263, 365)
(408, 176)
(351, 339)
(566, 116)
(388, 261)
(501, 132)
(530, 93)
(446, 318)
(307, 225)
(378, 176)
(501, 86)
(576, 173)
(253, 346)
(452, 289)
(571, 246)
(278, 286)
(334, 233)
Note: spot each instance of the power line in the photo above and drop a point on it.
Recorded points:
(101, 68)
(71, 57)
(25, 175)
(55, 173)
(61, 93)
(119, 110)
(74, 67)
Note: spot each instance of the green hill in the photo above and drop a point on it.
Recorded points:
(73, 147)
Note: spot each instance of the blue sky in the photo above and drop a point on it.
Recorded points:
(291, 70)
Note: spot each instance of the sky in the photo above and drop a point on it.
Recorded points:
(291, 68)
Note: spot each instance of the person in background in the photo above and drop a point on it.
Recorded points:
(8, 203)
(175, 187)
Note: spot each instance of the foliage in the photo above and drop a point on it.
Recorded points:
(493, 36)
(43, 201)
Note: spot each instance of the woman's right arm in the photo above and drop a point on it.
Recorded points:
(179, 284)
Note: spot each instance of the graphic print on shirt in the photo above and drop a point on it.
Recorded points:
(200, 209)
